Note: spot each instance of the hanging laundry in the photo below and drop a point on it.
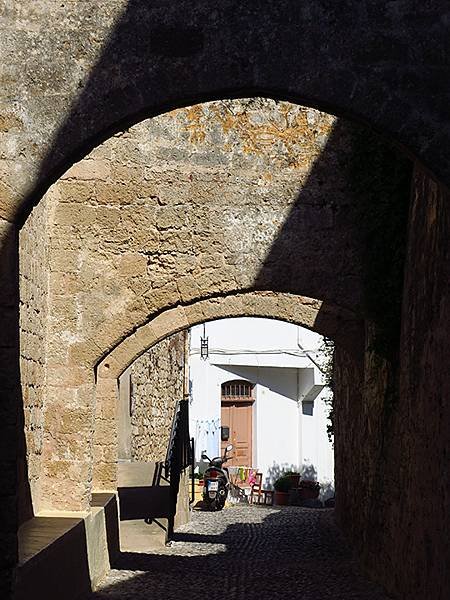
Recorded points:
(214, 438)
(201, 439)
(252, 477)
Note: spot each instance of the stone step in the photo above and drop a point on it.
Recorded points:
(144, 504)
(67, 556)
(138, 535)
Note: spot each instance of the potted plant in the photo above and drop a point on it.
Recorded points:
(308, 489)
(282, 486)
(294, 477)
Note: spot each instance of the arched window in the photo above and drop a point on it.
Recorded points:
(236, 389)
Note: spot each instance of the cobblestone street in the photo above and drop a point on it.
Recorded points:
(246, 553)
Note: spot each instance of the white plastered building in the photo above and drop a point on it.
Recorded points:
(263, 380)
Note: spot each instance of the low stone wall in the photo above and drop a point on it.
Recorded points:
(156, 387)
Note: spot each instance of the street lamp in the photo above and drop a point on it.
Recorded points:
(204, 351)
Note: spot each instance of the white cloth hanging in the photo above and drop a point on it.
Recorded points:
(213, 439)
(201, 439)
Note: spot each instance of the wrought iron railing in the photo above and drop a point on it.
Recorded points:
(179, 454)
(179, 450)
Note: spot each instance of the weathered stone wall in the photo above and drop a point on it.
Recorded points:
(157, 385)
(34, 284)
(107, 63)
(206, 201)
(392, 422)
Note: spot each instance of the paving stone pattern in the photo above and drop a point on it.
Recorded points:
(246, 552)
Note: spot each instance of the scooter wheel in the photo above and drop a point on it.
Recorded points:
(219, 502)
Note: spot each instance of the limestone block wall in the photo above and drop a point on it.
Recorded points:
(71, 92)
(34, 297)
(392, 422)
(207, 201)
(68, 93)
(156, 386)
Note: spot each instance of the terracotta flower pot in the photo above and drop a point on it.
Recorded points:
(281, 498)
(295, 478)
(308, 491)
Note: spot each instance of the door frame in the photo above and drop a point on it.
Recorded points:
(244, 399)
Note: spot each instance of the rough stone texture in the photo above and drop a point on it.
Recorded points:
(107, 64)
(75, 72)
(105, 437)
(157, 385)
(393, 492)
(330, 321)
(246, 552)
(202, 201)
(34, 274)
(420, 440)
(206, 201)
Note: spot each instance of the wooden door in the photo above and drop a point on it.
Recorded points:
(237, 416)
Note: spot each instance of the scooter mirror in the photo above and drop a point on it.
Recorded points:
(229, 447)
(204, 457)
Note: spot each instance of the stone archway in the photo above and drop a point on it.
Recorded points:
(95, 311)
(428, 198)
(342, 326)
(142, 60)
(248, 195)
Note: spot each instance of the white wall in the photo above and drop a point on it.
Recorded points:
(270, 354)
(255, 333)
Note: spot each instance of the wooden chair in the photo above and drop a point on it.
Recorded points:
(258, 495)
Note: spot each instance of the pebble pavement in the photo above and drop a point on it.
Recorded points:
(245, 552)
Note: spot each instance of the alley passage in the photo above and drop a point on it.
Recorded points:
(246, 553)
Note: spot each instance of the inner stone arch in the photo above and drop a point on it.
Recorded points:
(211, 200)
(341, 326)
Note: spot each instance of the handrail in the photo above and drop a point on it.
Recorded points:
(172, 439)
(192, 471)
(178, 455)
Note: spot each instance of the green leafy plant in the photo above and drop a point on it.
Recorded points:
(327, 368)
(309, 484)
(283, 483)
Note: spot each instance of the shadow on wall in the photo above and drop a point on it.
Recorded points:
(149, 501)
(322, 229)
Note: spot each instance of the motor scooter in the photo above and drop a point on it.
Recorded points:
(216, 481)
